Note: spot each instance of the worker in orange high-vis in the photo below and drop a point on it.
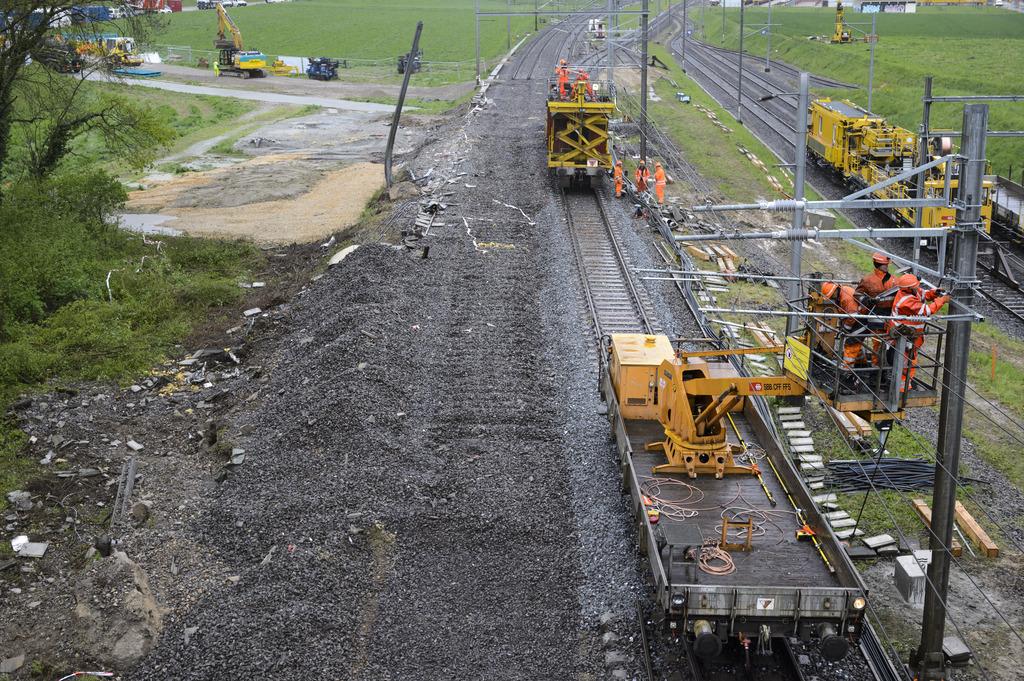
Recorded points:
(583, 80)
(642, 177)
(845, 298)
(878, 281)
(617, 175)
(911, 301)
(562, 72)
(659, 182)
(878, 286)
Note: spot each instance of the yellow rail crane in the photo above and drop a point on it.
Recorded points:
(233, 59)
(577, 130)
(841, 33)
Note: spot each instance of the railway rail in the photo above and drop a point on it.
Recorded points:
(616, 304)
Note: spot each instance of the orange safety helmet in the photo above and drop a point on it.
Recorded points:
(829, 288)
(618, 163)
(908, 281)
(562, 62)
(657, 164)
(880, 258)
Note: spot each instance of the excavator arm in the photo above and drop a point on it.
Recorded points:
(224, 26)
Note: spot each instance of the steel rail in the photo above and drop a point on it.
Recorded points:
(615, 303)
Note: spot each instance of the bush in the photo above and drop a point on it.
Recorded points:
(57, 318)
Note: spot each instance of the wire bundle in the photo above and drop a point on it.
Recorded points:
(675, 499)
(853, 475)
(714, 560)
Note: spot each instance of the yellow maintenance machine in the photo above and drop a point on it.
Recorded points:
(691, 396)
(865, 149)
(233, 59)
(577, 129)
(841, 33)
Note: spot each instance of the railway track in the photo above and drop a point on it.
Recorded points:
(777, 664)
(1001, 287)
(615, 302)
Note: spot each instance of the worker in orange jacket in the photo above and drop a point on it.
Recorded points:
(562, 72)
(659, 182)
(643, 177)
(875, 285)
(583, 80)
(617, 175)
(911, 301)
(845, 298)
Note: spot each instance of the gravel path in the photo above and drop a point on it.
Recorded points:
(429, 491)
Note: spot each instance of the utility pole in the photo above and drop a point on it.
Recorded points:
(739, 85)
(873, 38)
(929, 661)
(610, 47)
(508, 24)
(682, 57)
(768, 47)
(388, 178)
(643, 80)
(723, 23)
(799, 161)
(536, 17)
(922, 155)
(477, 42)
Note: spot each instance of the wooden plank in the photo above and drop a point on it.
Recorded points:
(973, 530)
(697, 252)
(863, 427)
(729, 252)
(923, 510)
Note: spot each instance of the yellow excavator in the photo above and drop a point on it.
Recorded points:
(233, 59)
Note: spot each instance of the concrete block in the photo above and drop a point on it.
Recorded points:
(842, 524)
(803, 449)
(796, 441)
(822, 498)
(879, 541)
(850, 532)
(799, 433)
(924, 558)
(809, 458)
(956, 650)
(814, 466)
(838, 515)
(909, 580)
(816, 485)
(789, 410)
(794, 425)
(791, 417)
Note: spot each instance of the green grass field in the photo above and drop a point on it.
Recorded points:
(967, 50)
(359, 29)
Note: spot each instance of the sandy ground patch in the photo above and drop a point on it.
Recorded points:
(333, 203)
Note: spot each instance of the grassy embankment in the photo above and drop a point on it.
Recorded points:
(58, 321)
(968, 50)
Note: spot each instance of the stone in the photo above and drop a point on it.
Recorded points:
(116, 618)
(613, 657)
(252, 312)
(20, 500)
(134, 446)
(609, 638)
(33, 549)
(88, 472)
(607, 619)
(189, 633)
(619, 673)
(860, 553)
(12, 664)
(141, 511)
(909, 580)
